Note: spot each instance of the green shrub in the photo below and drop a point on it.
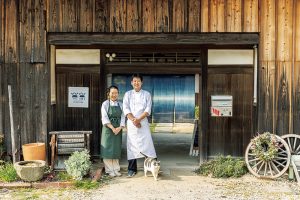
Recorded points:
(87, 184)
(223, 167)
(1, 145)
(8, 173)
(78, 164)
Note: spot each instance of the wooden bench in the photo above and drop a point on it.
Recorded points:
(64, 143)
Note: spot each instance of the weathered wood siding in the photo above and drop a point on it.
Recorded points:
(1, 66)
(74, 119)
(24, 52)
(296, 72)
(231, 135)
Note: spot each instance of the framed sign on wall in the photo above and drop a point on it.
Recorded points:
(78, 97)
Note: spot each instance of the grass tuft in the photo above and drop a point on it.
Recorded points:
(86, 184)
(8, 173)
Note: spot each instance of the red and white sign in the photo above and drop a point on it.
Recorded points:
(221, 111)
(215, 112)
(221, 106)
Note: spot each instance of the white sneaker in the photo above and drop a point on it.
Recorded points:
(118, 174)
(112, 174)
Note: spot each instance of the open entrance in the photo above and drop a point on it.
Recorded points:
(172, 119)
(175, 94)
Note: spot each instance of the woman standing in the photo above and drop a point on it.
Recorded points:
(113, 121)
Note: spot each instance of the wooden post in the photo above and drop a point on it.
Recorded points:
(52, 75)
(1, 102)
(12, 130)
(53, 148)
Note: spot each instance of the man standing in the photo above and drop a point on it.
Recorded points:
(137, 106)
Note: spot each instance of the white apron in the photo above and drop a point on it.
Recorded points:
(139, 140)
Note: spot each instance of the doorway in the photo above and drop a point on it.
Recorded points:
(172, 78)
(172, 116)
(173, 96)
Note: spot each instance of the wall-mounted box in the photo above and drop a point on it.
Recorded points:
(221, 106)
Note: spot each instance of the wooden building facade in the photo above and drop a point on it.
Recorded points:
(31, 30)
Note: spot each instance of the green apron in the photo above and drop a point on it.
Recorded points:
(111, 143)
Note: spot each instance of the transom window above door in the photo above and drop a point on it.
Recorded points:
(77, 56)
(132, 57)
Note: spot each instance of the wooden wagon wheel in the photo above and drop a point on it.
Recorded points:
(293, 141)
(269, 169)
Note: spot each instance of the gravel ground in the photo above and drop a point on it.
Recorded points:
(173, 184)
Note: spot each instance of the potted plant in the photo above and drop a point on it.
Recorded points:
(34, 151)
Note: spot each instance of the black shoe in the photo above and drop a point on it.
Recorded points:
(131, 174)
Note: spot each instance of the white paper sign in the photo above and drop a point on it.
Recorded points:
(78, 97)
(221, 106)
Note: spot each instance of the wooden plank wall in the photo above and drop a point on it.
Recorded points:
(296, 71)
(72, 119)
(24, 63)
(231, 135)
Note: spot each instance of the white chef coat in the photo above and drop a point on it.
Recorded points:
(139, 140)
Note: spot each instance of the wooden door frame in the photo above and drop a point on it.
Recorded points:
(196, 40)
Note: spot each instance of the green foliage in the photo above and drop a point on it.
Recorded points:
(197, 112)
(1, 139)
(152, 127)
(47, 169)
(223, 167)
(265, 146)
(87, 184)
(1, 145)
(63, 176)
(2, 162)
(8, 173)
(78, 164)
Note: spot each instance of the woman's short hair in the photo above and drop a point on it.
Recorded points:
(137, 76)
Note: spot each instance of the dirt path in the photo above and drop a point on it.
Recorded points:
(174, 184)
(182, 185)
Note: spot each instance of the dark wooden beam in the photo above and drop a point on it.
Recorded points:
(230, 69)
(153, 69)
(78, 68)
(203, 137)
(153, 38)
